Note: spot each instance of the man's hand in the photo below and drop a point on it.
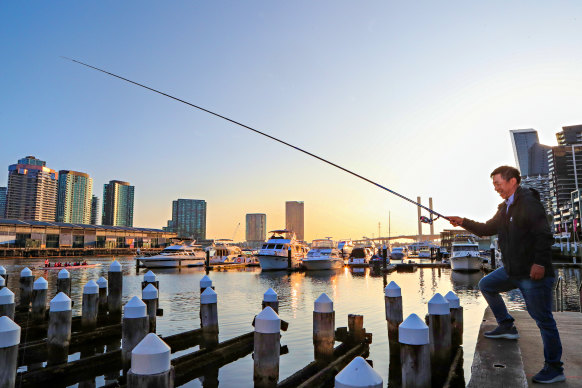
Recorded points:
(456, 221)
(537, 272)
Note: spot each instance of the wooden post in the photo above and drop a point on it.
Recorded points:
(7, 303)
(289, 259)
(90, 308)
(135, 328)
(209, 317)
(205, 283)
(39, 291)
(393, 305)
(149, 295)
(115, 291)
(9, 341)
(358, 374)
(414, 353)
(356, 330)
(150, 364)
(102, 310)
(492, 263)
(207, 262)
(384, 256)
(267, 348)
(271, 299)
(2, 283)
(4, 275)
(59, 329)
(323, 328)
(439, 316)
(150, 278)
(456, 320)
(26, 281)
(64, 282)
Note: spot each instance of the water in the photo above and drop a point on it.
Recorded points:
(240, 294)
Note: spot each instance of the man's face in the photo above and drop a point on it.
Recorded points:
(503, 187)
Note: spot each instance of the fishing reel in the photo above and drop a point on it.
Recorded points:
(426, 220)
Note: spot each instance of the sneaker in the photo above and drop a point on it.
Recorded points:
(549, 374)
(503, 331)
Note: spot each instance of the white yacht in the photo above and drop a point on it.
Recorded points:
(424, 253)
(398, 253)
(175, 256)
(273, 255)
(225, 253)
(323, 255)
(345, 247)
(361, 255)
(465, 254)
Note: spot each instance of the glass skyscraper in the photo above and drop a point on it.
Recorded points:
(3, 191)
(530, 155)
(188, 219)
(256, 228)
(117, 204)
(294, 218)
(94, 210)
(74, 197)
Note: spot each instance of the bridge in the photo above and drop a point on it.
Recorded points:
(414, 237)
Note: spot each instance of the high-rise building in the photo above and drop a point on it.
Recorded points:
(294, 218)
(117, 204)
(530, 155)
(32, 191)
(74, 197)
(188, 219)
(94, 210)
(541, 184)
(3, 191)
(256, 228)
(570, 135)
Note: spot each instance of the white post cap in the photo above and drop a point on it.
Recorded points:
(102, 282)
(2, 270)
(392, 290)
(26, 272)
(323, 304)
(438, 305)
(270, 296)
(9, 332)
(453, 300)
(150, 277)
(135, 308)
(61, 302)
(6, 296)
(40, 284)
(64, 274)
(151, 356)
(209, 296)
(115, 266)
(149, 292)
(492, 246)
(2, 282)
(205, 282)
(91, 287)
(267, 321)
(358, 374)
(413, 331)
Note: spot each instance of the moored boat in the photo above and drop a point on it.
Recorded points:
(465, 255)
(361, 255)
(398, 253)
(323, 255)
(274, 254)
(175, 256)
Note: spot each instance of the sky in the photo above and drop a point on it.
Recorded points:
(417, 96)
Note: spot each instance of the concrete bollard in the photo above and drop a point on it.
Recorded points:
(7, 305)
(115, 291)
(39, 291)
(64, 282)
(149, 295)
(150, 278)
(456, 319)
(205, 283)
(439, 317)
(209, 317)
(271, 299)
(4, 275)
(267, 348)
(2, 283)
(26, 281)
(9, 341)
(90, 308)
(323, 328)
(393, 305)
(135, 328)
(358, 374)
(414, 353)
(150, 364)
(59, 329)
(102, 310)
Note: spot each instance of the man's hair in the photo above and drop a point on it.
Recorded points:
(507, 172)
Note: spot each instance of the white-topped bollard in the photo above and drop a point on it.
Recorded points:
(393, 306)
(39, 291)
(3, 274)
(149, 295)
(267, 348)
(59, 329)
(323, 328)
(26, 281)
(102, 310)
(456, 319)
(271, 299)
(439, 317)
(64, 282)
(2, 283)
(414, 353)
(358, 374)
(7, 305)
(90, 308)
(115, 291)
(135, 328)
(209, 316)
(150, 364)
(150, 278)
(205, 283)
(9, 341)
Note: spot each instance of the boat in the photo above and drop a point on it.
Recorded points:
(226, 253)
(323, 255)
(424, 253)
(68, 267)
(361, 255)
(345, 247)
(174, 256)
(465, 254)
(274, 254)
(398, 253)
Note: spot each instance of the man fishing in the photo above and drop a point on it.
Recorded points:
(525, 241)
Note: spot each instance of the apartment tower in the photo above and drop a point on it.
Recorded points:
(117, 204)
(74, 197)
(294, 218)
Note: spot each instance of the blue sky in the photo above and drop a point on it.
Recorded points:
(417, 96)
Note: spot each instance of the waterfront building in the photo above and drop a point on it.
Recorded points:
(74, 197)
(117, 204)
(188, 219)
(530, 156)
(294, 218)
(32, 190)
(256, 229)
(541, 184)
(3, 191)
(570, 135)
(94, 210)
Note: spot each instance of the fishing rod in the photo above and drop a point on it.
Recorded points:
(426, 220)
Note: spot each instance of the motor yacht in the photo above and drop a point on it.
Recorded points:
(323, 255)
(361, 255)
(465, 254)
(175, 256)
(345, 247)
(424, 253)
(226, 253)
(398, 253)
(274, 254)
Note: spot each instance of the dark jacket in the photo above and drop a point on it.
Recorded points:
(524, 233)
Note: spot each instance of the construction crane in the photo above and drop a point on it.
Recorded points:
(235, 230)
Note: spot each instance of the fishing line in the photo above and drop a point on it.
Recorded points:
(264, 134)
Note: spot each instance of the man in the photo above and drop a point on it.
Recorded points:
(525, 241)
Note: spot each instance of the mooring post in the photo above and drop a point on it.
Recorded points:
(149, 295)
(207, 261)
(59, 329)
(393, 305)
(26, 281)
(102, 310)
(384, 256)
(64, 282)
(150, 364)
(9, 341)
(356, 330)
(267, 348)
(150, 278)
(456, 319)
(4, 275)
(358, 374)
(289, 259)
(439, 316)
(2, 283)
(39, 291)
(209, 317)
(323, 328)
(135, 328)
(414, 353)
(205, 283)
(7, 305)
(492, 263)
(115, 291)
(271, 299)
(90, 308)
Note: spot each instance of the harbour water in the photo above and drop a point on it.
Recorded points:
(240, 293)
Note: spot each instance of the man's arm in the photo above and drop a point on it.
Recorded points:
(488, 228)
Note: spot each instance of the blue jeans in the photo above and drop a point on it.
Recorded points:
(538, 301)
